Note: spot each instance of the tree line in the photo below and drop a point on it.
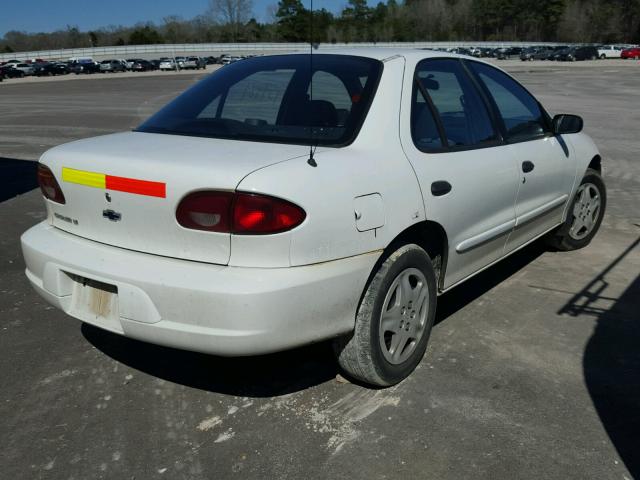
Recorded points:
(583, 21)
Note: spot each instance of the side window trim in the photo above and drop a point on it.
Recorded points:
(433, 110)
(487, 99)
(491, 103)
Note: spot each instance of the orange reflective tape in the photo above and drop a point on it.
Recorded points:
(139, 187)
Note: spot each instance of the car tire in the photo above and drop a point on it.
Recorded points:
(603, 56)
(406, 282)
(571, 235)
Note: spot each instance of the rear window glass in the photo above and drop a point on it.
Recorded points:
(272, 99)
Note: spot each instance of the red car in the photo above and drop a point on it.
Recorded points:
(631, 53)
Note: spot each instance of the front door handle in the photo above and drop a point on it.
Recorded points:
(527, 166)
(439, 188)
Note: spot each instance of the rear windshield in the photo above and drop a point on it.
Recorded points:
(272, 99)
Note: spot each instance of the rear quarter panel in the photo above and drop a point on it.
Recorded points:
(374, 163)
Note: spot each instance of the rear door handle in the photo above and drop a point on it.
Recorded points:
(527, 166)
(439, 188)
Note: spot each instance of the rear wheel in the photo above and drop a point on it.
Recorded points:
(394, 320)
(603, 56)
(584, 216)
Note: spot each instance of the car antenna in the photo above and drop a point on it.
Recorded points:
(311, 161)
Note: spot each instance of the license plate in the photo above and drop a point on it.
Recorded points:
(95, 302)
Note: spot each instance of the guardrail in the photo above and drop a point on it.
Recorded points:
(206, 49)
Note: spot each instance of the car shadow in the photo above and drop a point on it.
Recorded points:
(258, 376)
(278, 373)
(611, 362)
(16, 177)
(462, 295)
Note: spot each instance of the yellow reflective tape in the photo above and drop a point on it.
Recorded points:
(90, 179)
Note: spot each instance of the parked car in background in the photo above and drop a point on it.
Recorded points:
(528, 53)
(141, 65)
(84, 66)
(507, 53)
(9, 72)
(488, 52)
(167, 64)
(558, 53)
(112, 66)
(61, 68)
(579, 53)
(193, 63)
(43, 69)
(129, 63)
(180, 62)
(633, 52)
(549, 52)
(609, 51)
(24, 68)
(211, 227)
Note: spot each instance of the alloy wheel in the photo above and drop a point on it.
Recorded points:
(586, 210)
(404, 315)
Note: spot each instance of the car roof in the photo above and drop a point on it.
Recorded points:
(384, 53)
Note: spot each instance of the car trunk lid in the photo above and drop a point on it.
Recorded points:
(123, 189)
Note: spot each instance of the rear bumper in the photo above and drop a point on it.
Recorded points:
(194, 306)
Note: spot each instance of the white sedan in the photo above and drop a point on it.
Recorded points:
(610, 51)
(267, 208)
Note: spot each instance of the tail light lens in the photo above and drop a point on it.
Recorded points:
(259, 214)
(208, 211)
(49, 185)
(238, 213)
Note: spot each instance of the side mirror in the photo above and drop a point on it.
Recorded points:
(565, 124)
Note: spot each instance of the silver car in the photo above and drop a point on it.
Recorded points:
(24, 68)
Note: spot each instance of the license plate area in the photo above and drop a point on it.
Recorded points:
(95, 302)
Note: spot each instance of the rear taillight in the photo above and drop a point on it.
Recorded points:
(260, 214)
(206, 211)
(238, 213)
(49, 185)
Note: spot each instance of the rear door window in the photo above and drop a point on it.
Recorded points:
(520, 112)
(461, 111)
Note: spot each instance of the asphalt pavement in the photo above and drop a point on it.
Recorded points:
(532, 370)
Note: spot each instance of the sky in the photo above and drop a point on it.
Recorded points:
(49, 15)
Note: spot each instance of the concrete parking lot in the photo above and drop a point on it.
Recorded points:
(533, 369)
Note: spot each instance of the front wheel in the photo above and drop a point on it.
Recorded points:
(585, 215)
(394, 320)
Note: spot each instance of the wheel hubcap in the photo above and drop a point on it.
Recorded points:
(404, 315)
(585, 211)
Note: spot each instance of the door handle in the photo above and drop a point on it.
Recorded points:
(527, 166)
(439, 188)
